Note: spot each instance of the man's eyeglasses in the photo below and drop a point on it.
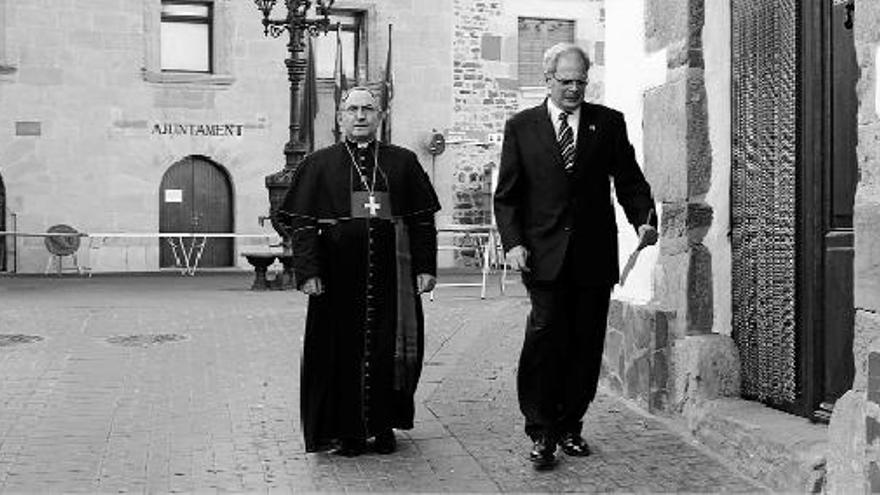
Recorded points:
(354, 110)
(568, 82)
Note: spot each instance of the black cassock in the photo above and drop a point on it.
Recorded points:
(364, 338)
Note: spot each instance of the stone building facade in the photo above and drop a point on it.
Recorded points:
(92, 124)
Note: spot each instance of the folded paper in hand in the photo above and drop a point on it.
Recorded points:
(631, 262)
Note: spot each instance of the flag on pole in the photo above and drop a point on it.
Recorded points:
(310, 101)
(387, 93)
(339, 82)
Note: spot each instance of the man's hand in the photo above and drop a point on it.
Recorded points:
(647, 236)
(312, 287)
(517, 258)
(425, 282)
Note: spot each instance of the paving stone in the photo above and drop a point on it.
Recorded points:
(219, 410)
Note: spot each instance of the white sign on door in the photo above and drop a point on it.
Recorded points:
(173, 195)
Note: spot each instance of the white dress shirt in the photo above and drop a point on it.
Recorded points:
(574, 118)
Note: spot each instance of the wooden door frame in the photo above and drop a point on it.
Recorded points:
(813, 134)
(815, 175)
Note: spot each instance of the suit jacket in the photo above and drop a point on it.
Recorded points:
(550, 211)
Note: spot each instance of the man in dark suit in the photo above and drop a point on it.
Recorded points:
(555, 215)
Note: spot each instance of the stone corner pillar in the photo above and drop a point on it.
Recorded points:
(703, 368)
(678, 164)
(845, 459)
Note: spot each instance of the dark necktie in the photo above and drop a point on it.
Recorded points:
(566, 141)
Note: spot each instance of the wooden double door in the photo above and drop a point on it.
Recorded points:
(196, 197)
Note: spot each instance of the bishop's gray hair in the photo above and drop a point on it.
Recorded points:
(551, 56)
(376, 97)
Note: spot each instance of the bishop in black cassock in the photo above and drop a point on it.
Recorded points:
(364, 247)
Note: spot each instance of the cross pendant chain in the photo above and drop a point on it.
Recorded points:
(369, 187)
(372, 205)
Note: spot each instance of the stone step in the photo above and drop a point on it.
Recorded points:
(783, 451)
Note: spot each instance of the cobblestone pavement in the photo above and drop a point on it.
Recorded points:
(167, 384)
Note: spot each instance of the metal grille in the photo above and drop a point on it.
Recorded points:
(764, 196)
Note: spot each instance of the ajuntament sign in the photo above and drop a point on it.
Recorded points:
(212, 130)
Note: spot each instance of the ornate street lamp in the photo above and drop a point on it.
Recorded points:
(298, 25)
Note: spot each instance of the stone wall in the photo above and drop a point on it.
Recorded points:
(872, 422)
(636, 357)
(486, 92)
(678, 163)
(685, 363)
(867, 202)
(481, 105)
(854, 432)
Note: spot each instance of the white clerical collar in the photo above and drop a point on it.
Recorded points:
(362, 144)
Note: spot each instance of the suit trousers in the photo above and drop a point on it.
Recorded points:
(561, 355)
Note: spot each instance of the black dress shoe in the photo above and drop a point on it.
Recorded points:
(543, 454)
(350, 447)
(575, 445)
(385, 442)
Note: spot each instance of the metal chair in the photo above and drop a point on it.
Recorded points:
(60, 246)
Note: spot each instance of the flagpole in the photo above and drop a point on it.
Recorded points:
(339, 83)
(310, 104)
(387, 93)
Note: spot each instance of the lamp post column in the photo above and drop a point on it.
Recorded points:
(295, 149)
(298, 26)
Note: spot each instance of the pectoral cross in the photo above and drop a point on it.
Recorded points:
(372, 205)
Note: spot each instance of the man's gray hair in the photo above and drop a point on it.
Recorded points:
(551, 56)
(355, 89)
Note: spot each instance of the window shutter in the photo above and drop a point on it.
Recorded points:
(535, 37)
